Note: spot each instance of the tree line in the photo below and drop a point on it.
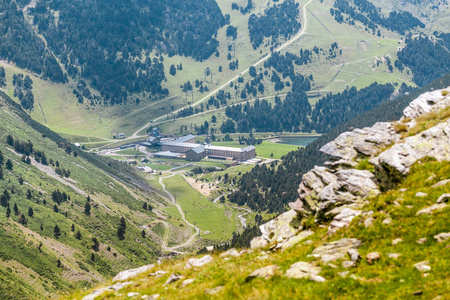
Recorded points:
(279, 20)
(426, 57)
(368, 14)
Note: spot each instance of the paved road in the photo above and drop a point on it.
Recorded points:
(296, 37)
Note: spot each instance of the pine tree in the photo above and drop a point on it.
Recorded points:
(3, 200)
(58, 263)
(173, 70)
(143, 233)
(42, 227)
(87, 209)
(72, 228)
(23, 220)
(16, 209)
(78, 235)
(121, 232)
(121, 229)
(9, 165)
(1, 173)
(1, 158)
(96, 245)
(55, 208)
(56, 231)
(30, 212)
(8, 212)
(29, 195)
(123, 223)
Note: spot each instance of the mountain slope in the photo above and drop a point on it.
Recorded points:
(47, 182)
(382, 245)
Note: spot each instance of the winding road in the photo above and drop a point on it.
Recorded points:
(296, 37)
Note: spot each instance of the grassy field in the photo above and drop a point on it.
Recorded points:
(130, 152)
(208, 216)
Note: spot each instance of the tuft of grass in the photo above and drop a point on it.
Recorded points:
(400, 128)
(429, 120)
(364, 164)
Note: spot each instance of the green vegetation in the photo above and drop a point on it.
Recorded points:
(130, 152)
(46, 185)
(216, 219)
(387, 278)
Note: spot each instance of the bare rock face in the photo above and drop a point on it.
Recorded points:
(336, 250)
(367, 141)
(276, 231)
(442, 237)
(265, 272)
(397, 161)
(431, 209)
(113, 288)
(372, 256)
(302, 270)
(232, 252)
(426, 103)
(172, 278)
(258, 243)
(322, 189)
(343, 219)
(443, 198)
(127, 274)
(198, 262)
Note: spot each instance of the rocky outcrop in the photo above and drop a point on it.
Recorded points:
(367, 141)
(337, 250)
(113, 288)
(323, 189)
(198, 262)
(426, 103)
(366, 161)
(434, 142)
(265, 272)
(305, 270)
(125, 275)
(230, 253)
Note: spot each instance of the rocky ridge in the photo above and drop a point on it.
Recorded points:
(364, 162)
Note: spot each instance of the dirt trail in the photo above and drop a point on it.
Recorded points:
(183, 217)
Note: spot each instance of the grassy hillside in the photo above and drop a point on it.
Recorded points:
(31, 252)
(387, 278)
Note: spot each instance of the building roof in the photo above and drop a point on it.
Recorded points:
(198, 149)
(231, 149)
(167, 153)
(175, 143)
(153, 138)
(185, 138)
